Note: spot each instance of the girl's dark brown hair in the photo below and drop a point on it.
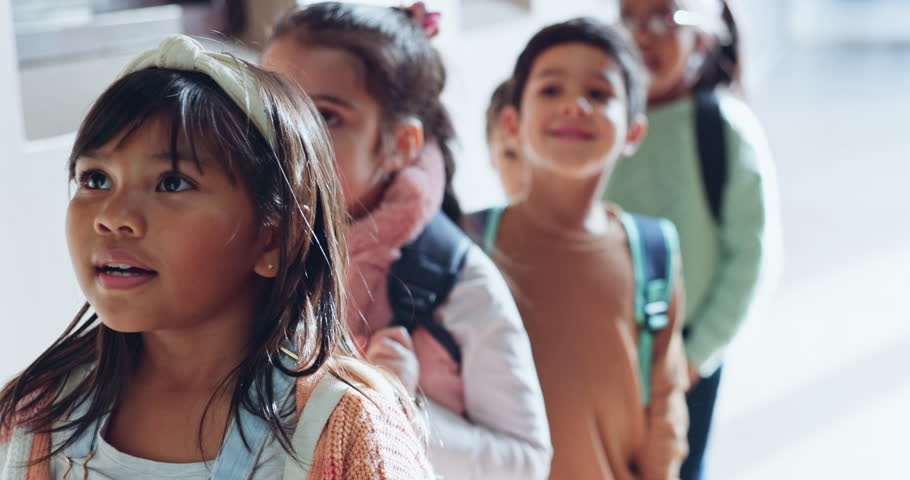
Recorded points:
(295, 192)
(722, 65)
(405, 74)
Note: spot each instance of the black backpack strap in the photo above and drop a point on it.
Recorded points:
(653, 243)
(422, 279)
(712, 149)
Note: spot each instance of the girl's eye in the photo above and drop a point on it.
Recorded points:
(551, 91)
(331, 118)
(172, 183)
(599, 95)
(95, 180)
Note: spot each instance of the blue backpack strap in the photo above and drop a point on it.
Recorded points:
(712, 148)
(82, 450)
(239, 453)
(483, 227)
(491, 228)
(422, 279)
(653, 243)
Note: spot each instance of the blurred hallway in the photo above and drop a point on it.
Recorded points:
(816, 386)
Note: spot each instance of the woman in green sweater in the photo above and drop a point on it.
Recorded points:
(704, 165)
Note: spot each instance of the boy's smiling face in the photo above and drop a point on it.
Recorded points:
(574, 115)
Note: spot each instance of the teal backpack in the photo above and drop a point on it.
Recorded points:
(654, 245)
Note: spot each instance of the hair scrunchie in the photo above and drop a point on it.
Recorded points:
(423, 18)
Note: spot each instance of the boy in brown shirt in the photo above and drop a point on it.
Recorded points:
(577, 105)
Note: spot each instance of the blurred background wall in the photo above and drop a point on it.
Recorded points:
(816, 384)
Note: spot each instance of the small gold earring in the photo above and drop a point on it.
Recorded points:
(271, 266)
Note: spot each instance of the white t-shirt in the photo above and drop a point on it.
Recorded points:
(108, 463)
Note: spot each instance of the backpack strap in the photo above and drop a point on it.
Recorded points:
(422, 279)
(491, 228)
(653, 243)
(712, 149)
(249, 433)
(313, 420)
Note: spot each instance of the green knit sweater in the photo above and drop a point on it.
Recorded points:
(721, 264)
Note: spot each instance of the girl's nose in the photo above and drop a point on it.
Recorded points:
(120, 216)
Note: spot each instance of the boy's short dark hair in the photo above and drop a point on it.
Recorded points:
(611, 39)
(501, 98)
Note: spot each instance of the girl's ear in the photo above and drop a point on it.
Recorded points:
(267, 264)
(509, 120)
(637, 129)
(408, 143)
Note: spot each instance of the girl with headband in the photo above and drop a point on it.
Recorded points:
(207, 234)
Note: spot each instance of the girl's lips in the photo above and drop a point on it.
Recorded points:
(119, 257)
(118, 270)
(124, 280)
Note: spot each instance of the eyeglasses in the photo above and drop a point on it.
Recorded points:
(659, 24)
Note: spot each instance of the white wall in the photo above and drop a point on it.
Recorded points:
(38, 294)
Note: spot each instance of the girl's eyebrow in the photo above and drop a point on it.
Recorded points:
(162, 157)
(334, 100)
(94, 155)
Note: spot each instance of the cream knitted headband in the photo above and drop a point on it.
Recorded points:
(180, 52)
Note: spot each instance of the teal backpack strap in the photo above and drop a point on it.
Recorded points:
(653, 243)
(491, 229)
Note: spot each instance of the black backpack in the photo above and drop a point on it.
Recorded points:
(712, 149)
(422, 279)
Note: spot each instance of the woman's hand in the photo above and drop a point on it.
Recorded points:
(393, 349)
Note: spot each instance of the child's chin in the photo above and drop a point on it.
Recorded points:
(573, 164)
(123, 322)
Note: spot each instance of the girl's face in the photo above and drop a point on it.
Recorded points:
(158, 249)
(336, 81)
(573, 117)
(667, 42)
